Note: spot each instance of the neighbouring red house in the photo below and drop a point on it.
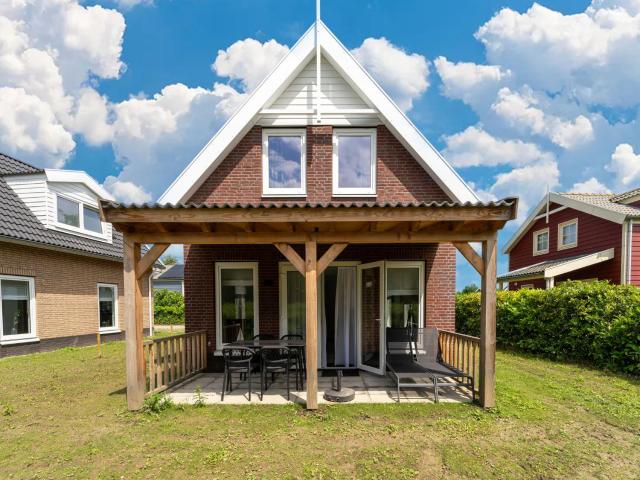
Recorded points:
(577, 236)
(321, 212)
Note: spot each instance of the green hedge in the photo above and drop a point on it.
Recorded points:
(595, 322)
(168, 307)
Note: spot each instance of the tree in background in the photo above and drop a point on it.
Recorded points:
(169, 260)
(470, 288)
(168, 307)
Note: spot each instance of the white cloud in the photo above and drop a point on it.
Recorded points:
(127, 192)
(404, 76)
(586, 55)
(474, 147)
(474, 84)
(625, 164)
(129, 4)
(520, 110)
(592, 185)
(249, 61)
(91, 117)
(30, 130)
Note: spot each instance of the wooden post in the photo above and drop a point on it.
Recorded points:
(133, 324)
(98, 345)
(311, 284)
(488, 325)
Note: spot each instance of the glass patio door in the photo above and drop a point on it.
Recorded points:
(370, 317)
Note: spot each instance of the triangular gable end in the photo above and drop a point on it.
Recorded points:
(279, 80)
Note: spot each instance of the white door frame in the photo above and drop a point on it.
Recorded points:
(381, 320)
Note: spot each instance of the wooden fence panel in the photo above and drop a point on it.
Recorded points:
(461, 352)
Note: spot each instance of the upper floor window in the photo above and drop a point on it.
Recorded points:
(541, 242)
(354, 162)
(283, 162)
(76, 214)
(17, 313)
(568, 234)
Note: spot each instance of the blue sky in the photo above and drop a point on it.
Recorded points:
(516, 95)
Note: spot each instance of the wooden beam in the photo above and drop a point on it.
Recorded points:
(488, 325)
(417, 226)
(311, 294)
(330, 255)
(205, 227)
(252, 238)
(305, 215)
(470, 254)
(150, 258)
(136, 380)
(291, 255)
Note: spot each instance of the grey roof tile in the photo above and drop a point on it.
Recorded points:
(603, 200)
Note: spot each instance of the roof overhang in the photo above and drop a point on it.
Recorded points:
(558, 268)
(77, 176)
(357, 222)
(600, 212)
(214, 152)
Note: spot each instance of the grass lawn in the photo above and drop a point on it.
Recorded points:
(63, 415)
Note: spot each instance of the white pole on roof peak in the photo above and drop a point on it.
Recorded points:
(318, 80)
(548, 201)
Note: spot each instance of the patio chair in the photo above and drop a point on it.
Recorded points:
(275, 360)
(401, 365)
(236, 360)
(301, 364)
(426, 352)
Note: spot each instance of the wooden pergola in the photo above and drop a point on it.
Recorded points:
(337, 225)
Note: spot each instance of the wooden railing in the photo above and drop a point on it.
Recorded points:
(170, 360)
(461, 352)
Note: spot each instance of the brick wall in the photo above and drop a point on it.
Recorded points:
(238, 178)
(199, 280)
(66, 290)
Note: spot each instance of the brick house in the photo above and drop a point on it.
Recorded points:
(321, 212)
(60, 266)
(577, 236)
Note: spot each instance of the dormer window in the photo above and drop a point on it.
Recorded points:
(284, 163)
(78, 216)
(354, 162)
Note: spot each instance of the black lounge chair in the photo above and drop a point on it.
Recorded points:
(402, 367)
(426, 353)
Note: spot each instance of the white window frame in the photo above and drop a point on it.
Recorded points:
(115, 327)
(256, 295)
(348, 191)
(561, 226)
(268, 191)
(24, 337)
(526, 286)
(536, 234)
(390, 264)
(81, 228)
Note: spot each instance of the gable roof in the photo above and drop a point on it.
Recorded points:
(19, 224)
(173, 272)
(206, 161)
(600, 205)
(626, 197)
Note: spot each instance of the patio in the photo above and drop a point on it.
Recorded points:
(368, 388)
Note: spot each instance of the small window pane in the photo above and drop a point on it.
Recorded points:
(236, 304)
(92, 219)
(403, 297)
(68, 212)
(569, 234)
(354, 161)
(296, 304)
(285, 161)
(15, 307)
(107, 307)
(542, 240)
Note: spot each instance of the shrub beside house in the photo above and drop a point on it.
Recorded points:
(593, 322)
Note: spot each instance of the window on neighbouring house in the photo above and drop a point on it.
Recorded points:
(91, 218)
(236, 301)
(541, 242)
(354, 162)
(283, 162)
(68, 212)
(108, 306)
(17, 315)
(568, 234)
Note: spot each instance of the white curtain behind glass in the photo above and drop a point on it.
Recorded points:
(345, 318)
